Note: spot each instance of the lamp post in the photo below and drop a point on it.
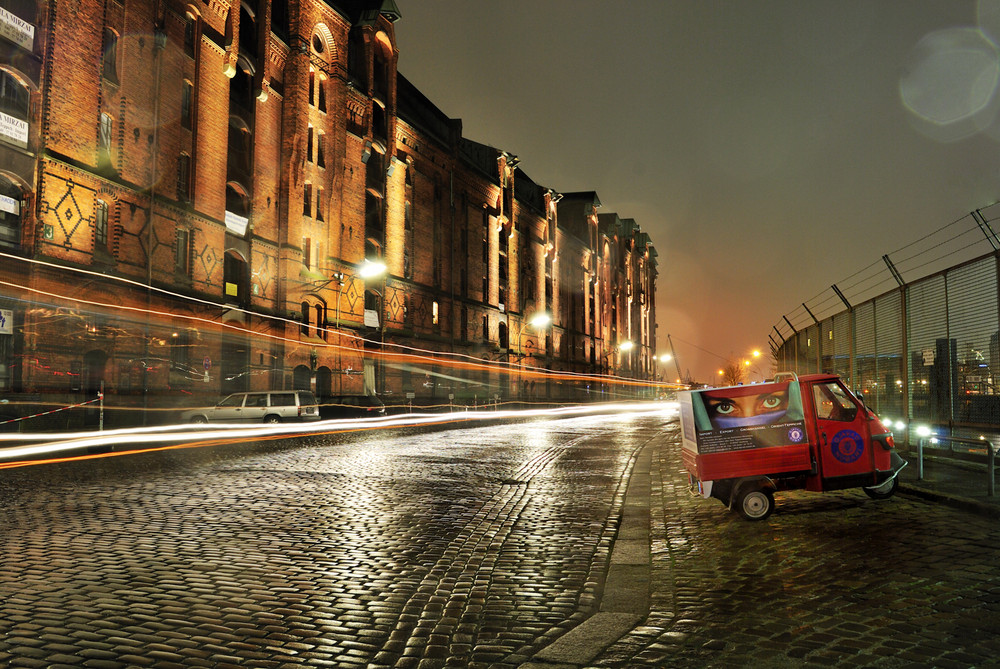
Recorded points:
(538, 321)
(367, 270)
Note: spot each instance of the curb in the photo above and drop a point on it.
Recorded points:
(964, 503)
(625, 602)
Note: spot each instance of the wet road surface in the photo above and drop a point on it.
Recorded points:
(477, 547)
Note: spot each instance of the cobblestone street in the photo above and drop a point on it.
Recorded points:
(831, 579)
(472, 547)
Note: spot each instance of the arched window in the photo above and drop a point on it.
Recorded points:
(235, 280)
(104, 138)
(110, 62)
(383, 55)
(304, 326)
(301, 378)
(191, 34)
(101, 224)
(503, 335)
(237, 209)
(320, 310)
(13, 97)
(248, 31)
(356, 66)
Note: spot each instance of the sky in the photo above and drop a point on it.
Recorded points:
(770, 148)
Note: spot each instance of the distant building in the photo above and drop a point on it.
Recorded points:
(188, 193)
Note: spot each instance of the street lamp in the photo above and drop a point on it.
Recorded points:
(367, 270)
(538, 321)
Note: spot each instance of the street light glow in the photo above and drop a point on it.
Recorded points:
(626, 346)
(540, 320)
(370, 269)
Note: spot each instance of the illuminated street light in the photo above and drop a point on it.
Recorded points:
(371, 269)
(626, 346)
(539, 320)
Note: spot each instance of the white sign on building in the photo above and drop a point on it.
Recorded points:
(237, 224)
(6, 321)
(17, 30)
(14, 129)
(10, 205)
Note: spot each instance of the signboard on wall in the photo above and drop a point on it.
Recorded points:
(17, 30)
(6, 321)
(10, 205)
(14, 129)
(236, 224)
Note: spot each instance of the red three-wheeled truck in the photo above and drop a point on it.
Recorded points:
(744, 443)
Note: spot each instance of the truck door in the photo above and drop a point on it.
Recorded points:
(844, 446)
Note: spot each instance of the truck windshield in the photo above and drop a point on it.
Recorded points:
(833, 402)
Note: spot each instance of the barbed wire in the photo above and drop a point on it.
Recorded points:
(877, 278)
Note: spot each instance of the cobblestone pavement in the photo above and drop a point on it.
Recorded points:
(832, 579)
(470, 547)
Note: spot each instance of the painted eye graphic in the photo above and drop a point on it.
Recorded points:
(772, 402)
(725, 408)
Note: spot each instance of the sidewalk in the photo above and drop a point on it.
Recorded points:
(953, 482)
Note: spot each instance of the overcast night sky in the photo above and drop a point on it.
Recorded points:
(765, 146)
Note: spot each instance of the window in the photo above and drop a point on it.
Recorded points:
(10, 212)
(320, 158)
(190, 34)
(104, 141)
(110, 60)
(321, 92)
(187, 95)
(309, 144)
(13, 97)
(307, 252)
(184, 176)
(320, 320)
(312, 87)
(434, 313)
(235, 279)
(832, 403)
(304, 327)
(319, 204)
(101, 224)
(307, 200)
(182, 251)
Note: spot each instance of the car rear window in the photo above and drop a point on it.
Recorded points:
(282, 400)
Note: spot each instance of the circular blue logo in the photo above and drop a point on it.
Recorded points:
(847, 446)
(796, 434)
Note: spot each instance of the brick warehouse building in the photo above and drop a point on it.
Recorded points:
(190, 195)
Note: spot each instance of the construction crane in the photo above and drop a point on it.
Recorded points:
(670, 341)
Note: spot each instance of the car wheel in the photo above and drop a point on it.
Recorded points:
(199, 419)
(884, 491)
(272, 419)
(755, 504)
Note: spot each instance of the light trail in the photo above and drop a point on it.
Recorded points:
(169, 437)
(442, 358)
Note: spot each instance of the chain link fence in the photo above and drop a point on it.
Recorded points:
(926, 351)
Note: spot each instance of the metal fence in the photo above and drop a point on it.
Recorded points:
(926, 351)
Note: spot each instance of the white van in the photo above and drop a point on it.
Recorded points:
(275, 406)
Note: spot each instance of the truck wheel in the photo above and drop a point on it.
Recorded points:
(755, 504)
(884, 491)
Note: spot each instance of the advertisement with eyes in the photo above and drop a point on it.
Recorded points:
(742, 417)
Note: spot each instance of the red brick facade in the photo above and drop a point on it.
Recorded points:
(198, 186)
